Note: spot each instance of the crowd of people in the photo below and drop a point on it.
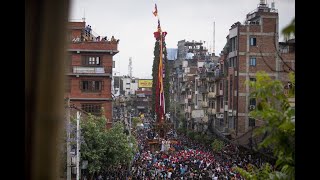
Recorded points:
(186, 159)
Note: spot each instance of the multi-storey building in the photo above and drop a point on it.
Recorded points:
(185, 96)
(252, 47)
(218, 90)
(142, 101)
(89, 70)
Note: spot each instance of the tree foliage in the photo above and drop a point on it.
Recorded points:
(289, 30)
(275, 110)
(155, 70)
(105, 147)
(217, 145)
(136, 121)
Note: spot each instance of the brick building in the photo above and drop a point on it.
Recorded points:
(89, 70)
(252, 47)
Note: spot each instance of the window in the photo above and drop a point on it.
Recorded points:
(252, 101)
(221, 103)
(220, 85)
(231, 86)
(94, 109)
(253, 79)
(212, 104)
(91, 61)
(253, 61)
(253, 41)
(213, 88)
(233, 44)
(233, 62)
(226, 95)
(91, 86)
(252, 122)
(230, 62)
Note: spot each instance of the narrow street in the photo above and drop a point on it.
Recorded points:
(185, 159)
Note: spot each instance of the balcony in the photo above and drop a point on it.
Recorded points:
(211, 95)
(204, 104)
(211, 111)
(220, 93)
(91, 71)
(189, 97)
(88, 70)
(203, 75)
(205, 119)
(203, 89)
(184, 78)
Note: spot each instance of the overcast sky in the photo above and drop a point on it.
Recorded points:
(133, 23)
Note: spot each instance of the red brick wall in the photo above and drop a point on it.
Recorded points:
(265, 44)
(77, 24)
(242, 104)
(94, 45)
(269, 24)
(261, 65)
(243, 43)
(242, 64)
(241, 124)
(76, 91)
(254, 28)
(107, 105)
(76, 33)
(242, 85)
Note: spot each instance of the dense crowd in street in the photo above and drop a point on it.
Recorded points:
(188, 160)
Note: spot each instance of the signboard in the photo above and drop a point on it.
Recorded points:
(145, 83)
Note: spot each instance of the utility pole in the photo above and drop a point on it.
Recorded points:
(78, 145)
(68, 141)
(130, 124)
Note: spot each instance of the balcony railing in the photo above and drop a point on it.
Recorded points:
(211, 95)
(204, 104)
(211, 111)
(88, 70)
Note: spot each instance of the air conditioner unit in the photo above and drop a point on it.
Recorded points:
(252, 107)
(229, 113)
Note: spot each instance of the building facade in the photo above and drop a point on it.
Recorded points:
(89, 70)
(216, 97)
(251, 47)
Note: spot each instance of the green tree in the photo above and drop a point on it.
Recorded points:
(217, 145)
(275, 110)
(103, 147)
(155, 70)
(136, 121)
(289, 30)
